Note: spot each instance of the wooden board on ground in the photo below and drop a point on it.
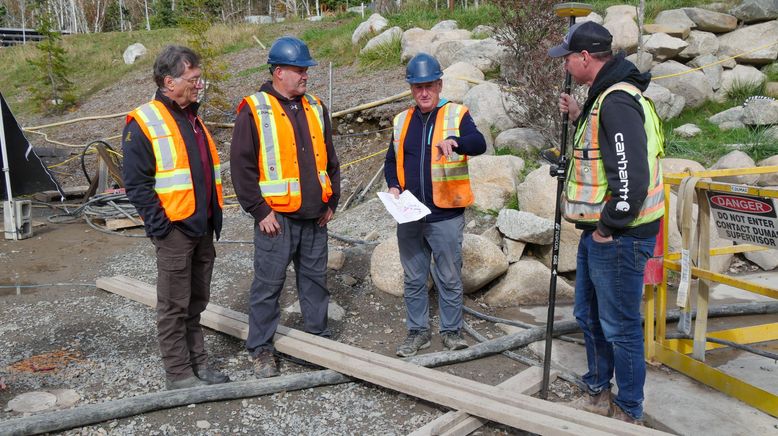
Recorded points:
(489, 402)
(122, 223)
(70, 192)
(459, 423)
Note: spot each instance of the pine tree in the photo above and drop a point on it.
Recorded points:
(53, 90)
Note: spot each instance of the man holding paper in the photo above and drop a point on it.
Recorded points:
(428, 157)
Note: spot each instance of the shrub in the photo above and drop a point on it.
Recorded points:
(52, 90)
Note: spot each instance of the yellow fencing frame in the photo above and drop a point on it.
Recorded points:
(688, 355)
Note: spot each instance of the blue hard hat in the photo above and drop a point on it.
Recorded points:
(423, 68)
(289, 50)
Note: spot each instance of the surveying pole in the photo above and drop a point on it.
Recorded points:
(570, 10)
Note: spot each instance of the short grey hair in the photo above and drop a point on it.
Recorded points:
(173, 62)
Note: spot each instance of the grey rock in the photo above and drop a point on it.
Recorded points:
(445, 25)
(133, 52)
(482, 31)
(513, 249)
(732, 114)
(493, 235)
(493, 179)
(484, 54)
(642, 60)
(625, 34)
(711, 21)
(454, 86)
(744, 40)
(692, 85)
(675, 17)
(760, 112)
(526, 282)
(521, 139)
(30, 402)
(663, 46)
(65, 397)
(736, 159)
(593, 16)
(485, 101)
(537, 193)
(414, 41)
(621, 12)
(700, 43)
(672, 165)
(568, 249)
(687, 130)
(667, 104)
(768, 179)
(203, 424)
(766, 259)
(750, 11)
(386, 271)
(374, 24)
(730, 125)
(676, 30)
(334, 311)
(482, 262)
(385, 38)
(525, 226)
(713, 72)
(336, 259)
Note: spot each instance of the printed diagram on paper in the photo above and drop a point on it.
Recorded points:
(404, 209)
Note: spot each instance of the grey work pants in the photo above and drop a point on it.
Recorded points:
(184, 268)
(304, 243)
(419, 242)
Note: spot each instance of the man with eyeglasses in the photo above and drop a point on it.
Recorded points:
(172, 177)
(287, 176)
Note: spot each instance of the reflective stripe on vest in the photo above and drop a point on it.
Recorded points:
(173, 176)
(279, 173)
(450, 176)
(587, 189)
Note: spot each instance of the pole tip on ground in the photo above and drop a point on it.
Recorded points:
(572, 9)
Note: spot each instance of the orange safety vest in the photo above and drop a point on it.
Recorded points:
(279, 172)
(450, 177)
(173, 176)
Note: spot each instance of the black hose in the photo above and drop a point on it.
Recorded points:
(83, 154)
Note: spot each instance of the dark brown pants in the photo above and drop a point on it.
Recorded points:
(184, 267)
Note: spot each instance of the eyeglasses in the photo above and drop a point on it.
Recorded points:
(194, 81)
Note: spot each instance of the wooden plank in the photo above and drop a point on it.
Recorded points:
(475, 398)
(70, 192)
(458, 423)
(122, 223)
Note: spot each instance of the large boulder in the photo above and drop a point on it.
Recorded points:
(568, 249)
(593, 16)
(486, 101)
(674, 165)
(769, 179)
(493, 179)
(710, 21)
(414, 41)
(687, 130)
(675, 17)
(667, 104)
(625, 34)
(386, 271)
(751, 11)
(742, 41)
(741, 75)
(621, 12)
(700, 43)
(713, 71)
(718, 263)
(692, 85)
(482, 262)
(676, 30)
(445, 25)
(527, 283)
(736, 159)
(441, 36)
(525, 227)
(374, 24)
(521, 139)
(766, 259)
(537, 193)
(484, 54)
(454, 86)
(133, 52)
(663, 46)
(644, 61)
(385, 38)
(733, 114)
(760, 112)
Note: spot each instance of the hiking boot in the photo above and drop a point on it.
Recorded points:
(600, 404)
(266, 364)
(416, 340)
(551, 155)
(210, 376)
(189, 382)
(453, 340)
(623, 416)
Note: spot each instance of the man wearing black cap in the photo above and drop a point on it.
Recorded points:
(614, 194)
(287, 176)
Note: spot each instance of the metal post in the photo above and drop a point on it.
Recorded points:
(329, 93)
(9, 202)
(570, 10)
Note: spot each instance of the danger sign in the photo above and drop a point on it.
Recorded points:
(744, 219)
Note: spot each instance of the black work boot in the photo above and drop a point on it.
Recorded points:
(211, 376)
(266, 364)
(416, 340)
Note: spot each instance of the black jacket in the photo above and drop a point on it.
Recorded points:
(140, 167)
(417, 152)
(621, 115)
(244, 160)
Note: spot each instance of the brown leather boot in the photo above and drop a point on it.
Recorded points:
(600, 404)
(266, 364)
(622, 416)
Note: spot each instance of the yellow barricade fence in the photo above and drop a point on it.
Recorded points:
(743, 213)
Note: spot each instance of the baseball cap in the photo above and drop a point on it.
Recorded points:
(588, 36)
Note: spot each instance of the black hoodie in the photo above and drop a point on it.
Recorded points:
(621, 120)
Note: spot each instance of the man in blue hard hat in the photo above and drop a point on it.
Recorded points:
(287, 176)
(428, 157)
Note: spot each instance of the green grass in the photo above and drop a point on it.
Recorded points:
(653, 7)
(382, 57)
(334, 43)
(424, 15)
(740, 91)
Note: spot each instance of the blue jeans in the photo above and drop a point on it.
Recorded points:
(608, 294)
(420, 242)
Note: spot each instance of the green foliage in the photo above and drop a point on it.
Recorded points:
(196, 23)
(53, 89)
(772, 72)
(3, 15)
(740, 91)
(424, 15)
(113, 18)
(163, 14)
(333, 42)
(382, 57)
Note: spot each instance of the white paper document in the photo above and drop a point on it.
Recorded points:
(405, 209)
